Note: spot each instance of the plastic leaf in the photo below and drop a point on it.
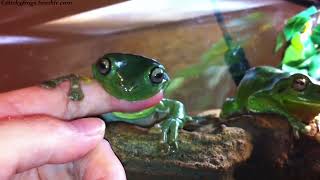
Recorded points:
(216, 50)
(316, 35)
(280, 42)
(301, 48)
(174, 84)
(291, 69)
(297, 41)
(308, 12)
(314, 69)
(294, 25)
(309, 48)
(192, 71)
(297, 22)
(292, 54)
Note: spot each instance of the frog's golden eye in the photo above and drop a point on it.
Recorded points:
(104, 66)
(300, 83)
(158, 75)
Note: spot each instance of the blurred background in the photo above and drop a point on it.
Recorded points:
(43, 41)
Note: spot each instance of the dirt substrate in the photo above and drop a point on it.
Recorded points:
(245, 147)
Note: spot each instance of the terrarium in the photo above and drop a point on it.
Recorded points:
(212, 89)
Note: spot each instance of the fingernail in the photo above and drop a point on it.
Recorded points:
(89, 126)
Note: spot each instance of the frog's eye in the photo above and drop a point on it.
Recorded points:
(104, 66)
(157, 75)
(300, 83)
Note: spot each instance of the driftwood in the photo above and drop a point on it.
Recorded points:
(244, 147)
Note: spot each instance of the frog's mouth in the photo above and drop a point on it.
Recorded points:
(135, 106)
(306, 112)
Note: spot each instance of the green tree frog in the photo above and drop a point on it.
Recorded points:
(266, 89)
(132, 78)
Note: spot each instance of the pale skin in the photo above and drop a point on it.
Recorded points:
(39, 140)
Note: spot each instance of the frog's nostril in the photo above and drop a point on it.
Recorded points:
(130, 88)
(134, 87)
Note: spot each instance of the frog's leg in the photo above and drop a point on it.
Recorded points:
(174, 120)
(263, 102)
(143, 118)
(230, 107)
(75, 92)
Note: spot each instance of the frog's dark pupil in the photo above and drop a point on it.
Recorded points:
(300, 84)
(156, 75)
(104, 66)
(159, 75)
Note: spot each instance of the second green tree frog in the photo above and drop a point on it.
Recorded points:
(133, 78)
(266, 89)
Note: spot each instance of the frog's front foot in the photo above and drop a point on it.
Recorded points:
(300, 128)
(49, 84)
(75, 92)
(170, 132)
(312, 130)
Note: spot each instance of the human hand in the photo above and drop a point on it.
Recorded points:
(37, 141)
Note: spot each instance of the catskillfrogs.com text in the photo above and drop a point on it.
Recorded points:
(35, 2)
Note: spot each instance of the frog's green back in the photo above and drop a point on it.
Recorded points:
(258, 78)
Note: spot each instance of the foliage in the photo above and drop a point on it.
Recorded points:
(302, 40)
(316, 35)
(211, 64)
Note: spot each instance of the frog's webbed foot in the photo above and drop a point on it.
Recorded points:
(299, 128)
(317, 121)
(50, 84)
(75, 92)
(170, 132)
(229, 108)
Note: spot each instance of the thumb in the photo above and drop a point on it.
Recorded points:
(29, 142)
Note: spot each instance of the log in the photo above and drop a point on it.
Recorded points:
(243, 147)
(200, 155)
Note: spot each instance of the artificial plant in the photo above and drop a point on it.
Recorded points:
(301, 34)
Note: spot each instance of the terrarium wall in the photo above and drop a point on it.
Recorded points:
(178, 45)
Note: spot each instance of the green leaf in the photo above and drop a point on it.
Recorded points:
(292, 54)
(216, 50)
(309, 48)
(299, 50)
(294, 25)
(280, 42)
(174, 84)
(192, 71)
(316, 35)
(308, 12)
(314, 69)
(294, 69)
(297, 22)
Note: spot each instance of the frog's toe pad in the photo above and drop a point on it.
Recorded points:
(170, 132)
(307, 129)
(76, 95)
(170, 148)
(48, 84)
